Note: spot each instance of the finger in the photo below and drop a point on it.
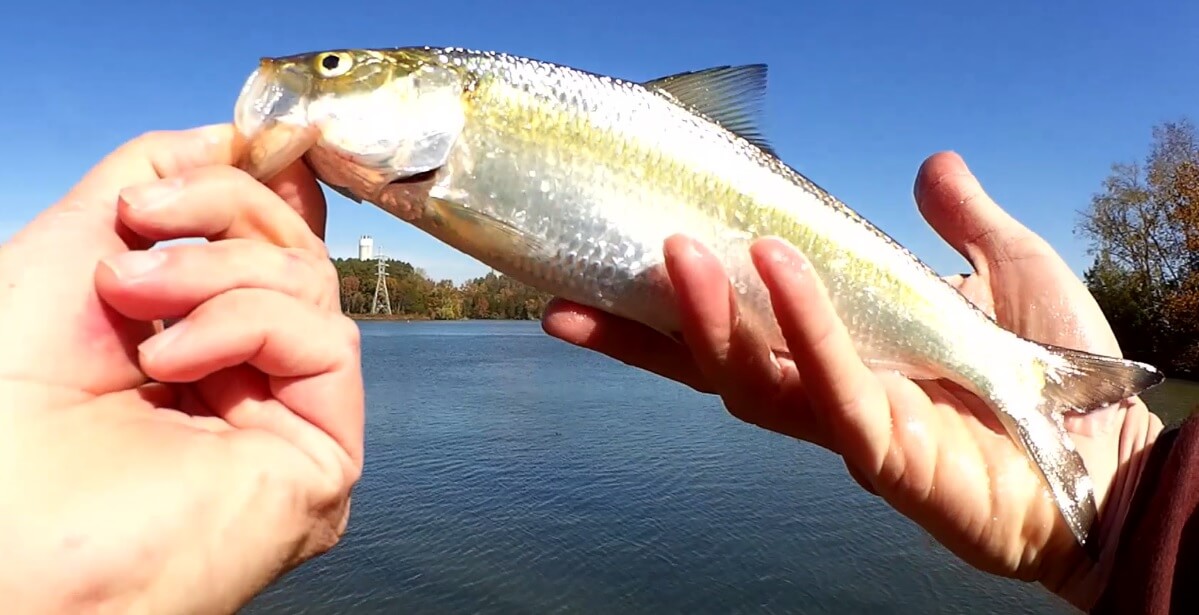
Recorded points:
(729, 353)
(90, 205)
(975, 290)
(956, 280)
(161, 153)
(297, 186)
(215, 202)
(626, 341)
(960, 211)
(172, 281)
(311, 355)
(86, 220)
(861, 479)
(167, 153)
(836, 379)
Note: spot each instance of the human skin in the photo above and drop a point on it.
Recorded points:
(182, 470)
(932, 451)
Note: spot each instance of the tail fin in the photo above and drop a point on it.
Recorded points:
(1079, 382)
(1083, 381)
(1047, 443)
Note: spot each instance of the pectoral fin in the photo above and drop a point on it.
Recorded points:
(480, 234)
(346, 192)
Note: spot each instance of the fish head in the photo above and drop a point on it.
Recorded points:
(364, 118)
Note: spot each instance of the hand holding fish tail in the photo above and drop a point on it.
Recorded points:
(932, 451)
(176, 470)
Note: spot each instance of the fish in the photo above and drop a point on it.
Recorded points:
(570, 181)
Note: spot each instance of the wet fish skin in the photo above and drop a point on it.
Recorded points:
(571, 181)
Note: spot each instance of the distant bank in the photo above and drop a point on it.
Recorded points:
(425, 317)
(399, 317)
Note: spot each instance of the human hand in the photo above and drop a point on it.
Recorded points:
(191, 493)
(932, 451)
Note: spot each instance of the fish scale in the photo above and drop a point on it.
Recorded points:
(570, 181)
(636, 205)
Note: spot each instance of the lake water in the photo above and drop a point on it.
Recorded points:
(508, 472)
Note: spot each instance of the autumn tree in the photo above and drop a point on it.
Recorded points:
(413, 294)
(1144, 232)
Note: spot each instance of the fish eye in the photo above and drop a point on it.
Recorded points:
(333, 64)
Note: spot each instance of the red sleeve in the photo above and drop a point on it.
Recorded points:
(1157, 562)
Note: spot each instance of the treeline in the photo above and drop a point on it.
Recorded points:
(413, 294)
(1144, 231)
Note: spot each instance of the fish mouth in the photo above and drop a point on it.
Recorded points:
(271, 118)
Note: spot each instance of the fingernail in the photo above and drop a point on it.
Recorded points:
(961, 161)
(784, 255)
(144, 197)
(691, 248)
(156, 344)
(215, 136)
(130, 265)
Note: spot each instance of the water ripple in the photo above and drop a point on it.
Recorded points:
(508, 472)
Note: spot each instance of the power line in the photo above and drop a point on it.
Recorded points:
(381, 285)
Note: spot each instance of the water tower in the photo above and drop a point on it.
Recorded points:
(366, 248)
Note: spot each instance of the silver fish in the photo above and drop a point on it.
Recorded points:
(570, 182)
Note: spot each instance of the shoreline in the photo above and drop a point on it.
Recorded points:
(423, 318)
(404, 317)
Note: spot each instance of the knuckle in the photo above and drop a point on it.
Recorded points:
(332, 281)
(351, 333)
(333, 490)
(351, 474)
(330, 528)
(315, 246)
(321, 265)
(296, 262)
(316, 276)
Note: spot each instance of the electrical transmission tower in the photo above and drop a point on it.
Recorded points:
(382, 299)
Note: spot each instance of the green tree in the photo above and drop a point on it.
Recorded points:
(1144, 232)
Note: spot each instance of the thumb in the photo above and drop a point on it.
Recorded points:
(154, 155)
(168, 153)
(954, 203)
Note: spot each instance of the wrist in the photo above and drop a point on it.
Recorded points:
(1080, 578)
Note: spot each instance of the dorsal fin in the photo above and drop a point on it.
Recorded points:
(727, 95)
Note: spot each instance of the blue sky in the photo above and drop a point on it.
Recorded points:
(1040, 98)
